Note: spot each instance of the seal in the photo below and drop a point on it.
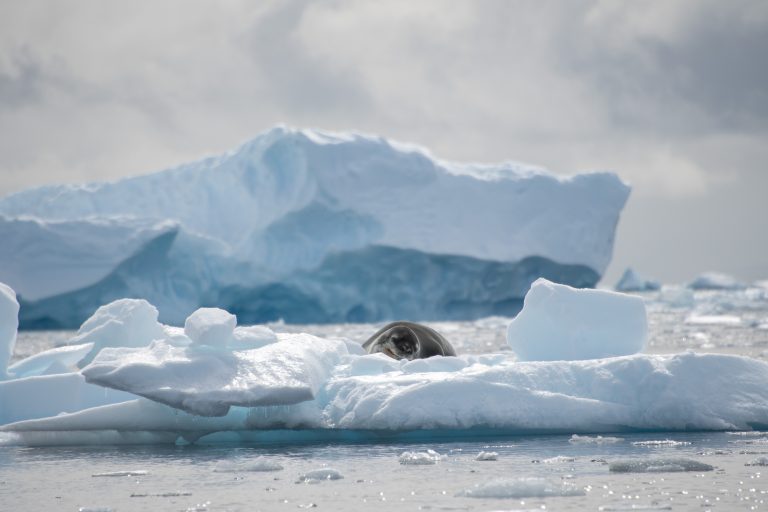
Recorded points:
(408, 340)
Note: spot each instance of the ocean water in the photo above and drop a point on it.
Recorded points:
(684, 471)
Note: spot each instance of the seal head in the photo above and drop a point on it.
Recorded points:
(408, 340)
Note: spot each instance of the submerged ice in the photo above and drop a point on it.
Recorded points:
(142, 381)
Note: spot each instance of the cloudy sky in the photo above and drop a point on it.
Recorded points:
(672, 95)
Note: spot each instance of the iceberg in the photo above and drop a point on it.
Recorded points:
(9, 322)
(308, 226)
(631, 281)
(559, 322)
(715, 281)
(255, 385)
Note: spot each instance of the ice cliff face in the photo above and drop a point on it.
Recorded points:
(310, 227)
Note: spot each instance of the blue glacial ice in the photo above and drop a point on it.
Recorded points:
(276, 385)
(309, 227)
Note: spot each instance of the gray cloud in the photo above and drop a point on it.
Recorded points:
(672, 94)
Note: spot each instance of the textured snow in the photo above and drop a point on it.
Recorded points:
(272, 225)
(561, 323)
(631, 281)
(207, 382)
(9, 323)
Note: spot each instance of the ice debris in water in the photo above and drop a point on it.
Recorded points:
(523, 487)
(760, 461)
(210, 326)
(123, 473)
(95, 509)
(661, 442)
(559, 322)
(487, 456)
(577, 439)
(420, 458)
(258, 464)
(560, 459)
(318, 475)
(666, 465)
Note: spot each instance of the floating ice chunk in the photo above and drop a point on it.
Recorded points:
(559, 459)
(760, 461)
(577, 439)
(210, 326)
(715, 281)
(658, 466)
(319, 475)
(207, 382)
(257, 465)
(169, 494)
(122, 323)
(655, 443)
(139, 472)
(9, 323)
(563, 323)
(713, 319)
(420, 458)
(50, 362)
(631, 281)
(676, 296)
(487, 456)
(95, 509)
(523, 487)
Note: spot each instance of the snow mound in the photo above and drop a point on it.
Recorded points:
(563, 323)
(210, 326)
(9, 323)
(666, 465)
(523, 487)
(715, 281)
(310, 227)
(631, 281)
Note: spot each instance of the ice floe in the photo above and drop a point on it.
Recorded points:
(662, 465)
(522, 487)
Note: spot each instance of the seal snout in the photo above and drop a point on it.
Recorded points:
(401, 343)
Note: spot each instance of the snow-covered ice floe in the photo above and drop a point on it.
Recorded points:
(244, 381)
(310, 227)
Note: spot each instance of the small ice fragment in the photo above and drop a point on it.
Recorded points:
(170, 494)
(747, 433)
(713, 319)
(577, 439)
(210, 326)
(631, 281)
(759, 440)
(487, 456)
(95, 509)
(122, 473)
(658, 466)
(661, 442)
(632, 507)
(760, 461)
(420, 458)
(560, 459)
(524, 487)
(258, 464)
(318, 475)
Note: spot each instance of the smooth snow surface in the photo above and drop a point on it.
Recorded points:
(302, 225)
(9, 323)
(563, 323)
